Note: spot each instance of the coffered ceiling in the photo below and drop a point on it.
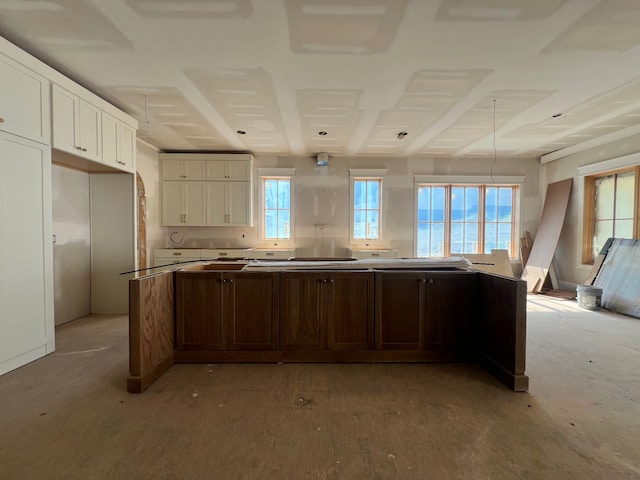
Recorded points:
(461, 77)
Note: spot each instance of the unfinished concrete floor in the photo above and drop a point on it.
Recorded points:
(67, 416)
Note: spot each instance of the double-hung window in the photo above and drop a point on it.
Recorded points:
(276, 206)
(454, 219)
(611, 209)
(366, 207)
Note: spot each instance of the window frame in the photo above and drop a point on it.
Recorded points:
(481, 182)
(279, 174)
(589, 209)
(364, 175)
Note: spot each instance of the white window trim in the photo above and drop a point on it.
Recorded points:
(464, 181)
(272, 242)
(368, 174)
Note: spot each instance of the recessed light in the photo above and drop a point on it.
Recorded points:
(240, 132)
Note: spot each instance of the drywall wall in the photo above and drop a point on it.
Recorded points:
(72, 247)
(322, 201)
(568, 262)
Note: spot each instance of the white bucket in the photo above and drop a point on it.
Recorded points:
(589, 297)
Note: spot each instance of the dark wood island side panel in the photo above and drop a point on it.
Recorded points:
(151, 329)
(501, 330)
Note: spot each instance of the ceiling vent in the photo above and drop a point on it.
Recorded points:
(322, 159)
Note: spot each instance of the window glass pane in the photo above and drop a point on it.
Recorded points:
(359, 194)
(359, 224)
(624, 196)
(457, 237)
(491, 204)
(457, 204)
(424, 204)
(271, 224)
(603, 231)
(490, 237)
(373, 194)
(604, 197)
(284, 194)
(471, 238)
(284, 224)
(270, 193)
(505, 204)
(372, 225)
(438, 204)
(472, 194)
(424, 234)
(437, 240)
(623, 228)
(504, 236)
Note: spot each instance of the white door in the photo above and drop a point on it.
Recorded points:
(26, 252)
(72, 249)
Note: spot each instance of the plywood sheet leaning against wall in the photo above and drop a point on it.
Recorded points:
(546, 241)
(618, 278)
(496, 262)
(151, 329)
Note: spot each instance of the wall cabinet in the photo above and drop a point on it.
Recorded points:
(183, 203)
(227, 311)
(118, 143)
(183, 169)
(77, 125)
(24, 102)
(327, 311)
(424, 310)
(229, 204)
(234, 170)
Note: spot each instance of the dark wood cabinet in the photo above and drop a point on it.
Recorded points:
(326, 311)
(424, 310)
(227, 311)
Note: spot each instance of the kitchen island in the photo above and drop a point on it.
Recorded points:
(336, 311)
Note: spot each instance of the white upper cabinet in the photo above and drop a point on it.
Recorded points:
(235, 170)
(24, 102)
(118, 143)
(77, 125)
(183, 169)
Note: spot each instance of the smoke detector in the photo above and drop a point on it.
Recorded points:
(322, 159)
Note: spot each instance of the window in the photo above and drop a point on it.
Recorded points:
(276, 206)
(610, 209)
(366, 207)
(458, 219)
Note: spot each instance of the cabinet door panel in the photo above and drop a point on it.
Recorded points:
(127, 148)
(110, 134)
(300, 314)
(90, 132)
(216, 170)
(400, 311)
(65, 121)
(172, 213)
(195, 203)
(238, 194)
(251, 310)
(449, 308)
(349, 315)
(199, 324)
(239, 171)
(216, 209)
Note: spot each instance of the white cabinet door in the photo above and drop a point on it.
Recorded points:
(238, 170)
(216, 204)
(76, 125)
(24, 102)
(26, 252)
(238, 203)
(183, 203)
(90, 133)
(110, 134)
(127, 148)
(183, 170)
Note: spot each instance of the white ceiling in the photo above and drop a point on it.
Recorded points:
(461, 77)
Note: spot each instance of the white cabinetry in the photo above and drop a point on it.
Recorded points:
(228, 204)
(76, 125)
(228, 194)
(118, 143)
(24, 102)
(372, 253)
(26, 252)
(183, 203)
(174, 256)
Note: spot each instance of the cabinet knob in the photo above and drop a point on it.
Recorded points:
(78, 148)
(231, 280)
(431, 280)
(423, 280)
(83, 149)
